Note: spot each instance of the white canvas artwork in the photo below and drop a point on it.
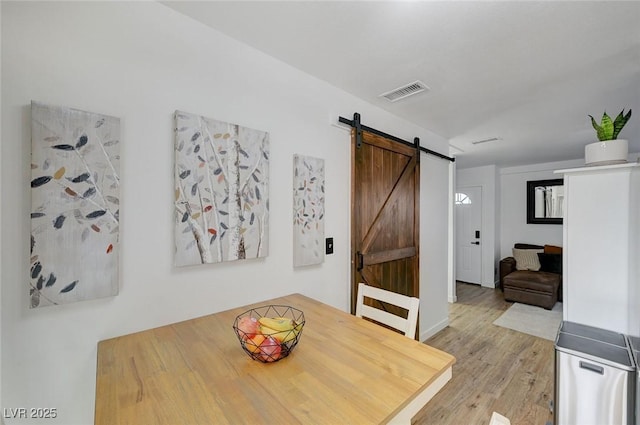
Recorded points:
(308, 210)
(221, 191)
(75, 205)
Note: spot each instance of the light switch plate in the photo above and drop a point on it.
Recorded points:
(329, 246)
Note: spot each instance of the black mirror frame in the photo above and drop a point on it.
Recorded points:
(531, 185)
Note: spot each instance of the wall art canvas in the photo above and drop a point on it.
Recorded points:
(308, 210)
(221, 191)
(75, 205)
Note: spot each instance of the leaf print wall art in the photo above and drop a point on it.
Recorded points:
(308, 210)
(221, 191)
(75, 205)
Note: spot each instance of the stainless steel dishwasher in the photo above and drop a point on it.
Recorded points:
(595, 377)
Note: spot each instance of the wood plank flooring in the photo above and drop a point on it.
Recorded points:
(497, 369)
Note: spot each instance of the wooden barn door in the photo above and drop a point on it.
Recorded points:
(385, 215)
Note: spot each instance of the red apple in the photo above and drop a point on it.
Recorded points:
(248, 327)
(270, 349)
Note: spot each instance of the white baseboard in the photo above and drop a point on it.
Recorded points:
(453, 299)
(426, 334)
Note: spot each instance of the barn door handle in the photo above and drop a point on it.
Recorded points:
(360, 265)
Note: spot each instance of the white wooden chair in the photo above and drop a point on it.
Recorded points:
(412, 304)
(498, 419)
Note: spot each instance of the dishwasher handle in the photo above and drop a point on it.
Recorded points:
(592, 367)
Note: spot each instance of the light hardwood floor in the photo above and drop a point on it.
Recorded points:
(497, 369)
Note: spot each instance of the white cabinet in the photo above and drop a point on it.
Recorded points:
(601, 255)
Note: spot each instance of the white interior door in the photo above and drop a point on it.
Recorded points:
(468, 206)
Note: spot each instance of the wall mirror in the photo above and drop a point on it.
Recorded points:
(545, 200)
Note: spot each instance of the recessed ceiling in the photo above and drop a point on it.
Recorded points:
(529, 73)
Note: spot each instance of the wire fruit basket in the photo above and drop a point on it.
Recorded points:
(269, 333)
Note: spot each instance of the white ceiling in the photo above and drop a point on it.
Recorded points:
(528, 73)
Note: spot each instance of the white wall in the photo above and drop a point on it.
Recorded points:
(513, 206)
(1, 404)
(452, 296)
(504, 209)
(600, 236)
(141, 61)
(484, 177)
(434, 279)
(634, 250)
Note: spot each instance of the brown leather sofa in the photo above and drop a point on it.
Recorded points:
(541, 288)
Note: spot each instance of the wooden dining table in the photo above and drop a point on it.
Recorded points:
(344, 370)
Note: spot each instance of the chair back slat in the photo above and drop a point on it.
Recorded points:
(411, 304)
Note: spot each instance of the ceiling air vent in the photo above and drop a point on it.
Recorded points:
(405, 91)
(493, 139)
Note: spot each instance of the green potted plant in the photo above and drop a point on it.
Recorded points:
(609, 149)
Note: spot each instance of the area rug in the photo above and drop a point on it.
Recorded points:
(532, 320)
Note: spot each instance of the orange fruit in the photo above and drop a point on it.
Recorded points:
(253, 344)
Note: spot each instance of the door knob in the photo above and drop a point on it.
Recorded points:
(475, 243)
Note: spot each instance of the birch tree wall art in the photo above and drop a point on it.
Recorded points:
(221, 191)
(308, 210)
(75, 187)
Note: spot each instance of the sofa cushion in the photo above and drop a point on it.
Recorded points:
(527, 259)
(521, 245)
(552, 249)
(551, 263)
(533, 281)
(541, 299)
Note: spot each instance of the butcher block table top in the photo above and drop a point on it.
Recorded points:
(344, 370)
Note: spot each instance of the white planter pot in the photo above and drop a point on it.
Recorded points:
(606, 153)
